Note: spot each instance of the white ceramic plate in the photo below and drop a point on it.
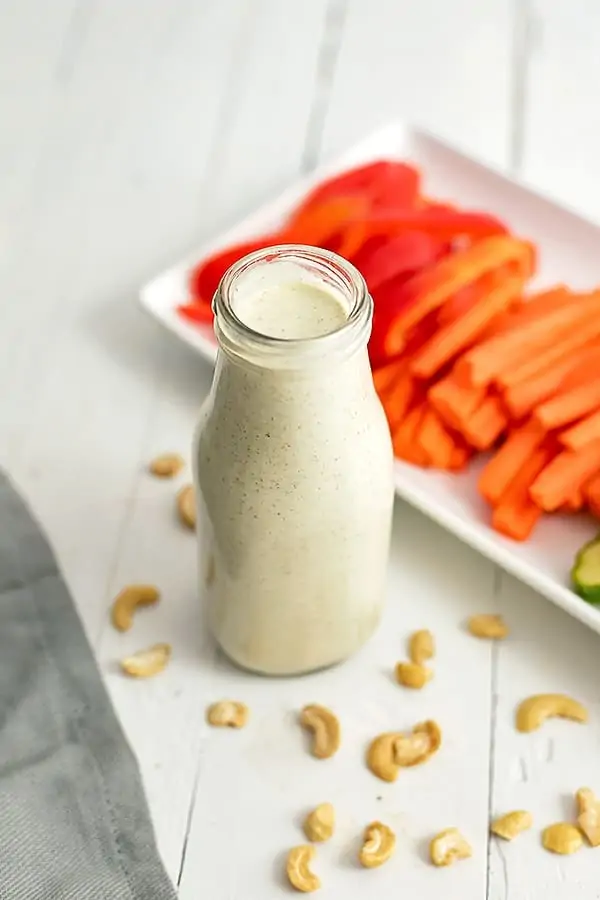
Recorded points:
(569, 251)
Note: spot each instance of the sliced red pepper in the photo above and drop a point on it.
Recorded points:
(199, 313)
(402, 255)
(442, 223)
(205, 277)
(381, 179)
(319, 223)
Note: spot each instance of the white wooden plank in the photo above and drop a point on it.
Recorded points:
(254, 786)
(444, 66)
(562, 123)
(546, 653)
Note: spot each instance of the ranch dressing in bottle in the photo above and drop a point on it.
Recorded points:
(293, 465)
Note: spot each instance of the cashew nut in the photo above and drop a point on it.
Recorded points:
(488, 626)
(589, 815)
(325, 727)
(378, 845)
(148, 662)
(227, 714)
(412, 675)
(186, 506)
(167, 465)
(319, 824)
(512, 824)
(127, 601)
(381, 756)
(417, 747)
(447, 846)
(421, 646)
(534, 711)
(562, 838)
(298, 869)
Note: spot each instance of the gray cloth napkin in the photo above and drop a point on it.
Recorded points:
(74, 824)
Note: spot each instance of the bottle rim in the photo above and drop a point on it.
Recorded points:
(239, 340)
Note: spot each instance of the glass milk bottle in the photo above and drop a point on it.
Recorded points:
(293, 465)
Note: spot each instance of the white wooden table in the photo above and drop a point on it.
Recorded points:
(130, 131)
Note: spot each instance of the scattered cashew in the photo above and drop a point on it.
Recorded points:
(148, 662)
(448, 846)
(320, 823)
(412, 675)
(512, 824)
(488, 626)
(417, 747)
(589, 815)
(421, 646)
(227, 714)
(378, 845)
(167, 465)
(562, 838)
(186, 506)
(127, 601)
(381, 756)
(298, 869)
(325, 727)
(534, 711)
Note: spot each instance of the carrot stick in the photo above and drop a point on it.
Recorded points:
(401, 394)
(404, 437)
(561, 477)
(429, 289)
(516, 515)
(486, 424)
(506, 463)
(563, 348)
(533, 307)
(384, 376)
(522, 398)
(569, 405)
(435, 440)
(575, 501)
(459, 459)
(592, 495)
(485, 362)
(585, 431)
(454, 401)
(460, 334)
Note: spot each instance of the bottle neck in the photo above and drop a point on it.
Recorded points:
(292, 308)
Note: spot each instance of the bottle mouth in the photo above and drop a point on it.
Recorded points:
(292, 262)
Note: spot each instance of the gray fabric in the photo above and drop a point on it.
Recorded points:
(73, 818)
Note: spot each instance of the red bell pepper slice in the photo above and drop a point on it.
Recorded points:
(320, 223)
(402, 255)
(199, 313)
(384, 182)
(205, 277)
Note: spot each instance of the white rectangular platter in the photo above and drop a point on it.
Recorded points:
(569, 248)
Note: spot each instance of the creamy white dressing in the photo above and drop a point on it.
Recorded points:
(294, 485)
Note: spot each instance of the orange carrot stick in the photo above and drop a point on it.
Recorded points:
(585, 431)
(460, 334)
(454, 401)
(404, 437)
(486, 424)
(561, 477)
(562, 349)
(533, 307)
(569, 405)
(569, 372)
(592, 495)
(506, 463)
(399, 398)
(459, 459)
(516, 515)
(384, 376)
(435, 440)
(485, 362)
(429, 289)
(575, 501)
